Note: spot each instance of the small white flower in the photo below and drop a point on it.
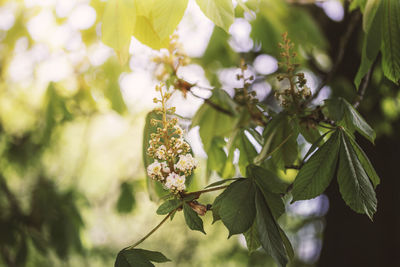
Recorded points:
(161, 152)
(186, 163)
(165, 167)
(178, 130)
(154, 170)
(175, 182)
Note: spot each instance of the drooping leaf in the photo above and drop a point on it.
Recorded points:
(280, 142)
(237, 208)
(118, 22)
(153, 256)
(220, 12)
(139, 258)
(316, 174)
(362, 157)
(168, 206)
(271, 187)
(166, 16)
(391, 40)
(252, 240)
(269, 231)
(146, 34)
(192, 219)
(345, 114)
(266, 179)
(354, 185)
(287, 244)
(351, 116)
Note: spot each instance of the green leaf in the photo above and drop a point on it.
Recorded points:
(280, 136)
(371, 9)
(166, 16)
(391, 40)
(288, 245)
(309, 133)
(317, 144)
(168, 206)
(216, 207)
(146, 34)
(247, 151)
(316, 174)
(138, 258)
(266, 179)
(343, 112)
(362, 157)
(118, 22)
(132, 258)
(354, 118)
(252, 240)
(222, 182)
(154, 256)
(237, 209)
(220, 12)
(192, 219)
(271, 187)
(354, 185)
(126, 199)
(213, 122)
(269, 231)
(216, 156)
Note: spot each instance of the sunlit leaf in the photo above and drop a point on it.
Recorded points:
(220, 12)
(117, 26)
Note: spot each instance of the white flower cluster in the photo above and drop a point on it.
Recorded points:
(173, 162)
(186, 164)
(175, 182)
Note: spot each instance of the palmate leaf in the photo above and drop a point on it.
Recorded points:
(252, 240)
(269, 231)
(391, 40)
(354, 184)
(345, 114)
(362, 157)
(316, 174)
(192, 219)
(139, 258)
(220, 12)
(271, 187)
(118, 22)
(237, 210)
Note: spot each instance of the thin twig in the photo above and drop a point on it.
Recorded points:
(152, 231)
(342, 47)
(361, 91)
(213, 105)
(197, 194)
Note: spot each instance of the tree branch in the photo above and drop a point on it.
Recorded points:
(213, 105)
(361, 91)
(339, 57)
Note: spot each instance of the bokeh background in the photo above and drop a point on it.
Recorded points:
(72, 182)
